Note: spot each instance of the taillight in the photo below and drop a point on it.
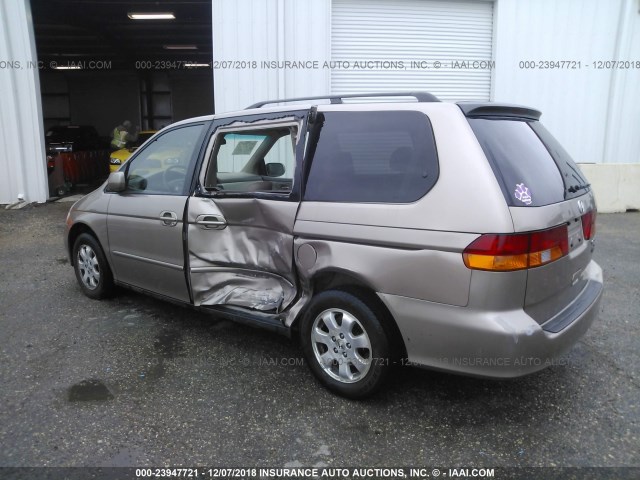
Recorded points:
(506, 252)
(589, 224)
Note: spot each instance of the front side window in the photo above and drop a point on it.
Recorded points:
(161, 168)
(142, 137)
(260, 160)
(372, 157)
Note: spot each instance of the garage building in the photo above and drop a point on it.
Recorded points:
(578, 61)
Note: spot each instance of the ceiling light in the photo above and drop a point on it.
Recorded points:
(192, 65)
(68, 67)
(151, 15)
(180, 47)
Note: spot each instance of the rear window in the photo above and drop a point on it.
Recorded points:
(373, 157)
(530, 165)
(527, 173)
(574, 181)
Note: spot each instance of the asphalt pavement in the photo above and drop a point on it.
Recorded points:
(134, 381)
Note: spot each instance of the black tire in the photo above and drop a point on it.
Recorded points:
(92, 270)
(325, 359)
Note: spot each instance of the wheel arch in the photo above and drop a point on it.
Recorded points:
(350, 282)
(78, 229)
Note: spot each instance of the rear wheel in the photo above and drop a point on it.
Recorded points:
(345, 344)
(92, 270)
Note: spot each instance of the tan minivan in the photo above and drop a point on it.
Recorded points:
(452, 236)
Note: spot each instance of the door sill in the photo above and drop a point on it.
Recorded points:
(267, 321)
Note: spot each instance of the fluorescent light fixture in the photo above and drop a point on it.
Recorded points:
(151, 15)
(195, 65)
(68, 67)
(180, 47)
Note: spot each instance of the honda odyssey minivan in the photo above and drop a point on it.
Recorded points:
(453, 236)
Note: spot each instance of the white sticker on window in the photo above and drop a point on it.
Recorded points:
(522, 193)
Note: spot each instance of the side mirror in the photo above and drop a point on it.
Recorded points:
(275, 169)
(116, 182)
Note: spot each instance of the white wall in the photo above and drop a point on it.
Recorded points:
(616, 185)
(269, 30)
(595, 113)
(22, 155)
(622, 142)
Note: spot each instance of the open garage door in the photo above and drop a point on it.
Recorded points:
(103, 64)
(458, 34)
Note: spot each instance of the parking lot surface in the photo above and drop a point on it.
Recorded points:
(134, 381)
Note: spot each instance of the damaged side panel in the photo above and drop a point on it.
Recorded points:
(241, 287)
(248, 260)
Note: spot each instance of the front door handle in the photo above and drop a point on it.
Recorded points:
(211, 222)
(168, 219)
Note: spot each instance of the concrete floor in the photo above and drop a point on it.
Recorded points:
(133, 381)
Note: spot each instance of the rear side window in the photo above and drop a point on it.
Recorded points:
(528, 162)
(372, 157)
(260, 160)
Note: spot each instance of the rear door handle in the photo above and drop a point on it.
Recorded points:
(211, 222)
(168, 219)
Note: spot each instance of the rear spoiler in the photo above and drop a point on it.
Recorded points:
(504, 110)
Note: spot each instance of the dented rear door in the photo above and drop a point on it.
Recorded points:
(241, 216)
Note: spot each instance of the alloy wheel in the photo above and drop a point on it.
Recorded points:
(89, 267)
(341, 345)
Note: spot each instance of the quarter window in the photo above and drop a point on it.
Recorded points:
(376, 157)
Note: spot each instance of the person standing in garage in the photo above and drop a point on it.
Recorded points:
(123, 134)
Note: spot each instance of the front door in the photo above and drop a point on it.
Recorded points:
(145, 222)
(240, 220)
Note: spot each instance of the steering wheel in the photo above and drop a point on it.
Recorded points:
(173, 178)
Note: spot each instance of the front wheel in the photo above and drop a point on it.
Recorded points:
(91, 267)
(345, 344)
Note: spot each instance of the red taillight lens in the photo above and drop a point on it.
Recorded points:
(518, 251)
(589, 224)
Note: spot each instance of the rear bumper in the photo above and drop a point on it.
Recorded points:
(498, 344)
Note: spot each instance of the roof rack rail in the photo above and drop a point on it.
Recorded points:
(420, 96)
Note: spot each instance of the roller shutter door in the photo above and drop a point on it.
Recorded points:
(396, 33)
